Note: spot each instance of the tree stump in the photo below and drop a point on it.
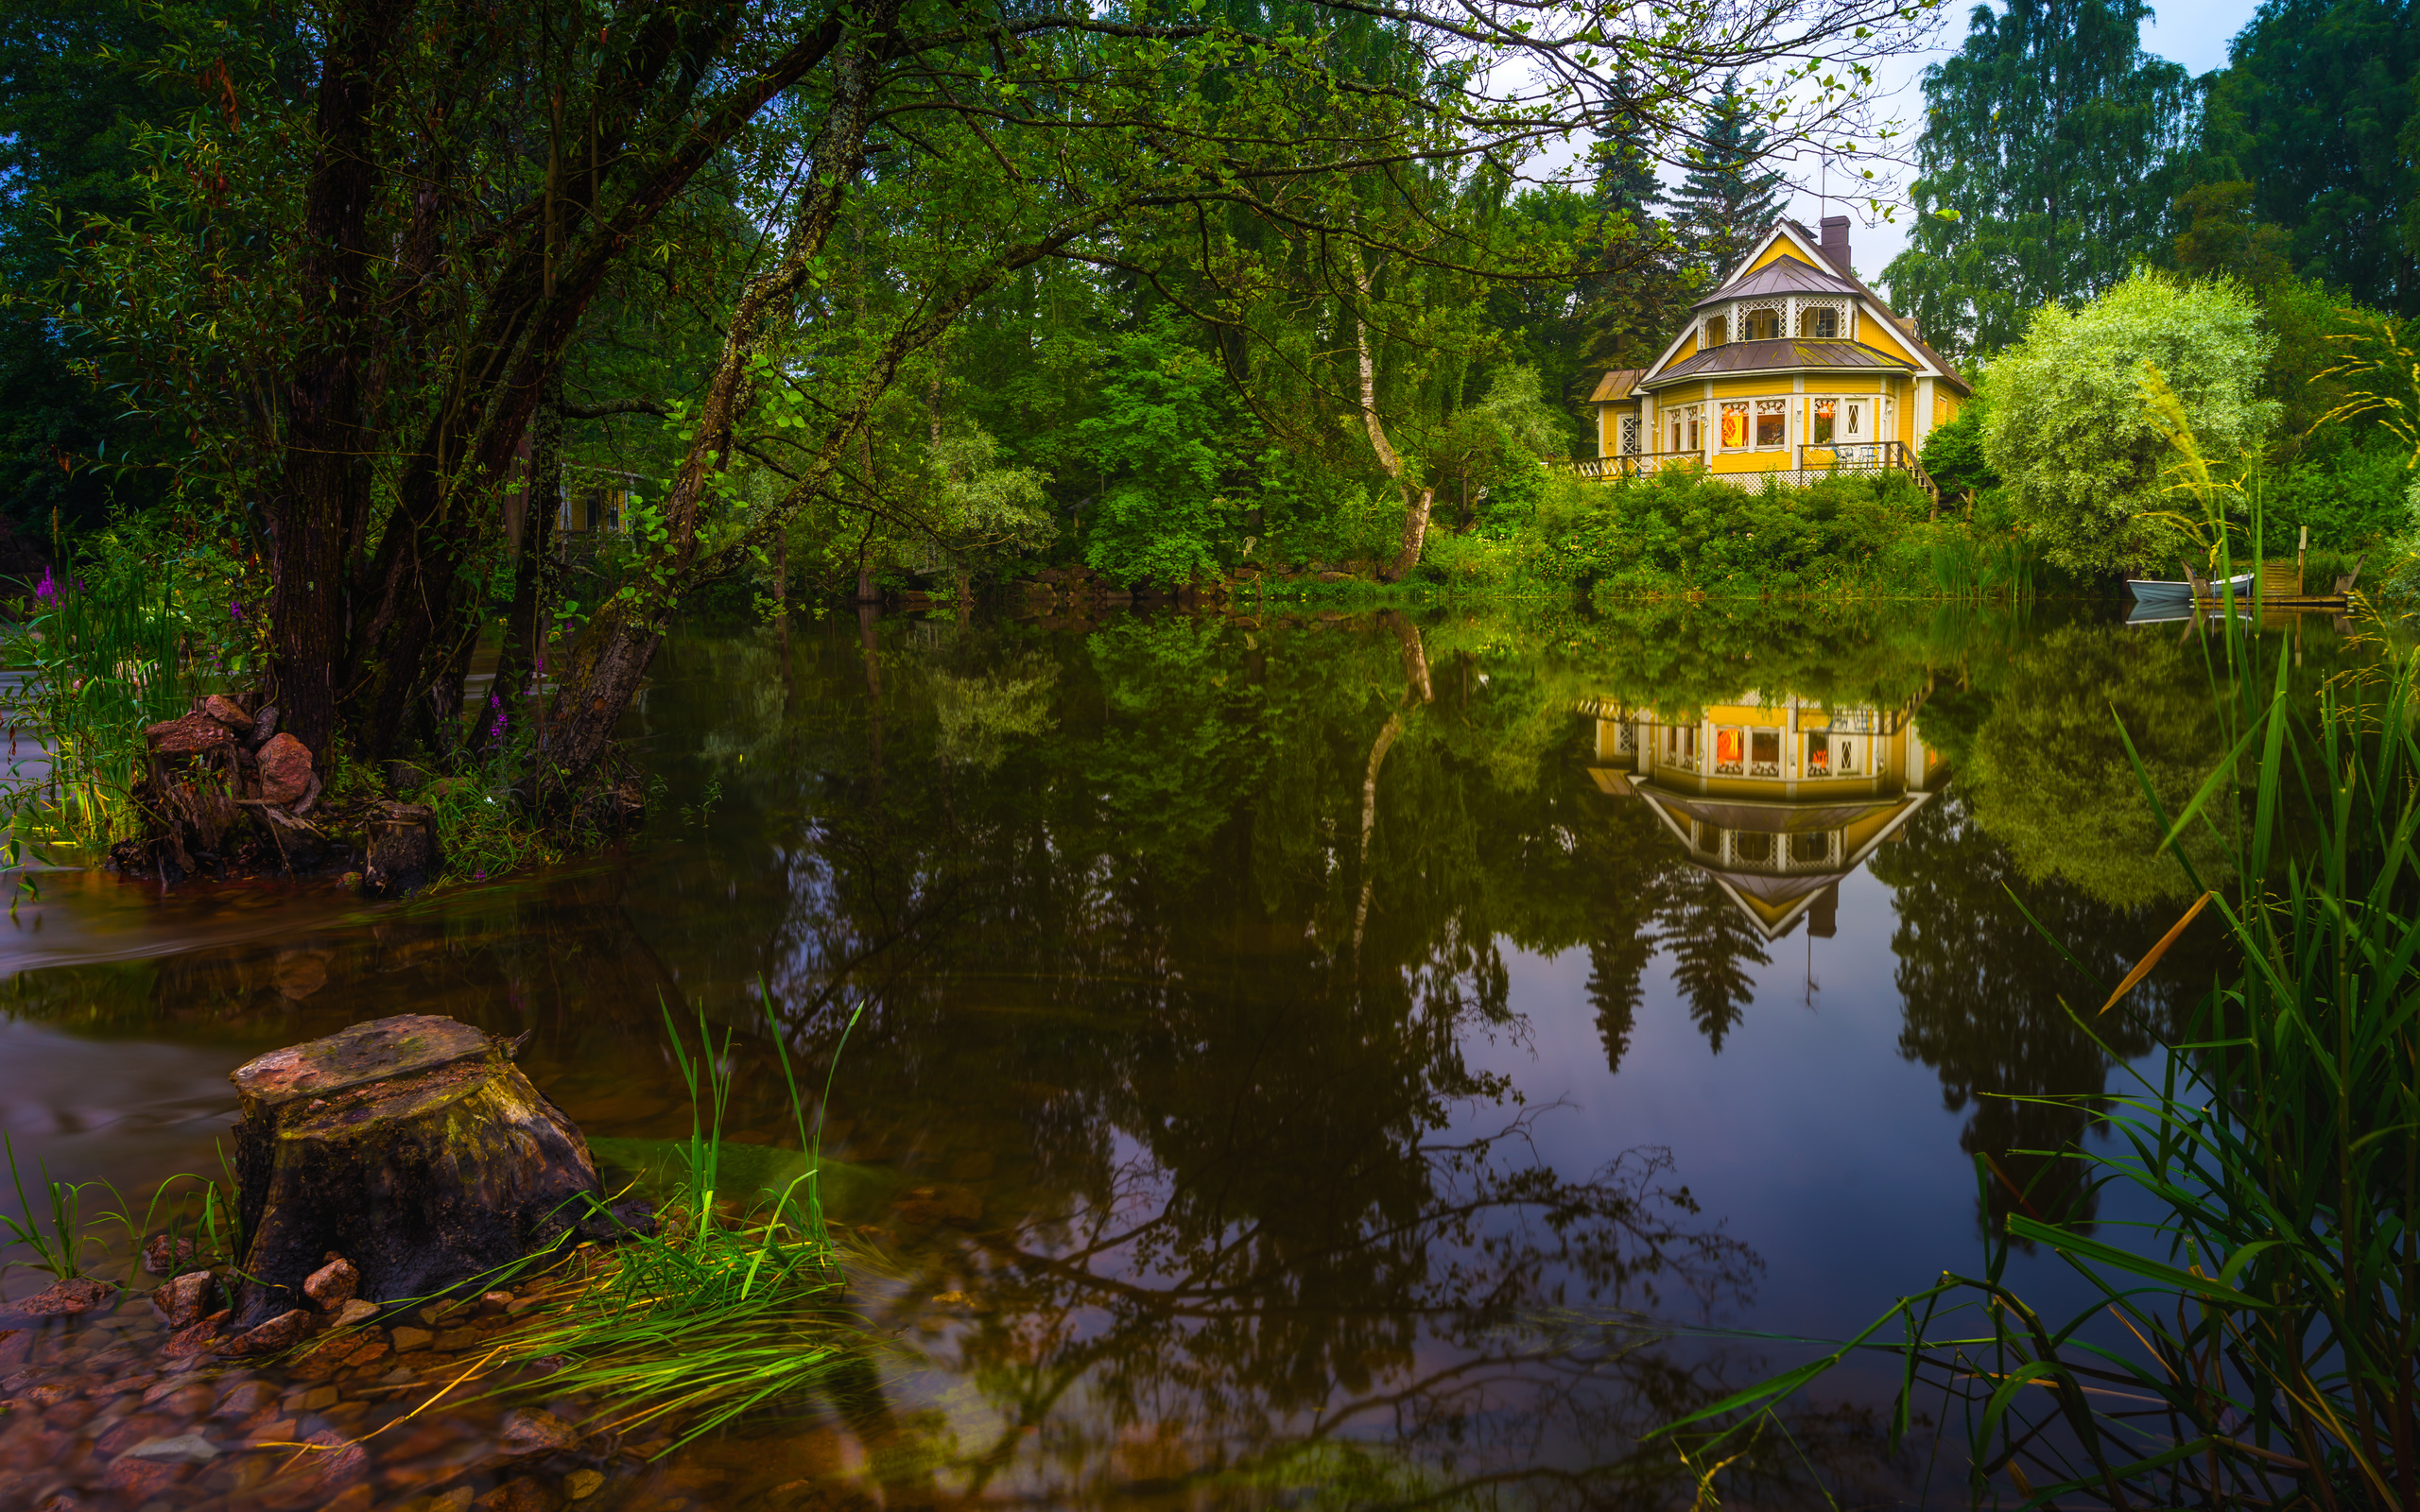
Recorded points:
(412, 1146)
(403, 851)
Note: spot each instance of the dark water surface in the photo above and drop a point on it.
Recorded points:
(1345, 1061)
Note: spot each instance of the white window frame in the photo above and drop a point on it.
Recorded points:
(1764, 407)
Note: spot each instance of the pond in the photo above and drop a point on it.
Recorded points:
(1352, 1060)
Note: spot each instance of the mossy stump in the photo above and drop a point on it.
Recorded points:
(412, 1146)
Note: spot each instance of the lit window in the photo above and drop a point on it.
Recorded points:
(1772, 422)
(1822, 433)
(1735, 424)
(1819, 755)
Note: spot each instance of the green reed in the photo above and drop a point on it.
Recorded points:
(729, 1306)
(60, 1252)
(2254, 1342)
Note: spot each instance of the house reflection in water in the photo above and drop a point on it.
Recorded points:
(1779, 801)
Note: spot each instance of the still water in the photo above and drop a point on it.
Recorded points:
(1337, 1061)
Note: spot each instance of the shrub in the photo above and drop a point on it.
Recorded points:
(2067, 430)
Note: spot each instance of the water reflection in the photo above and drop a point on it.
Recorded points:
(1219, 1135)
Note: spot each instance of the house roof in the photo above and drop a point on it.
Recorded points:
(1906, 325)
(1616, 386)
(1783, 275)
(1780, 355)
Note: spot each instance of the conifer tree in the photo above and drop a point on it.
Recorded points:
(1728, 198)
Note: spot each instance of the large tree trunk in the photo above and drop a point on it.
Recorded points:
(323, 490)
(412, 1147)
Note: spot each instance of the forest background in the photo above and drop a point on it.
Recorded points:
(1163, 418)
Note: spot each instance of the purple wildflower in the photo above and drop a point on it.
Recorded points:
(235, 608)
(47, 590)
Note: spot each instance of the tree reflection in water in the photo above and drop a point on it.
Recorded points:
(1186, 972)
(1176, 942)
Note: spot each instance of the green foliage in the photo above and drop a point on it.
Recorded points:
(127, 634)
(2067, 430)
(1160, 518)
(2223, 237)
(2047, 763)
(1953, 454)
(1682, 531)
(2052, 146)
(2310, 112)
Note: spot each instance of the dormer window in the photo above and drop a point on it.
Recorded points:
(1820, 325)
(1714, 330)
(1761, 325)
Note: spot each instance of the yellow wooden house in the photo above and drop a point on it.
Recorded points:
(1791, 365)
(1777, 799)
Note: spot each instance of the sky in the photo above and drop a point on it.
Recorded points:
(2191, 32)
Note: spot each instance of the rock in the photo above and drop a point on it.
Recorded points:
(532, 1430)
(356, 1312)
(264, 726)
(60, 1300)
(403, 851)
(183, 1302)
(15, 1344)
(582, 1484)
(411, 1339)
(522, 1494)
(491, 1304)
(286, 770)
(283, 1331)
(1336, 577)
(187, 1342)
(297, 974)
(185, 1449)
(223, 709)
(188, 736)
(411, 1145)
(165, 1255)
(332, 1285)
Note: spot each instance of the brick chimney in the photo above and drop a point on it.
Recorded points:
(1836, 242)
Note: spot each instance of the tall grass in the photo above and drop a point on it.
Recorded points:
(2255, 1341)
(728, 1307)
(102, 657)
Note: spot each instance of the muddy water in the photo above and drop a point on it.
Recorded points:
(1348, 1060)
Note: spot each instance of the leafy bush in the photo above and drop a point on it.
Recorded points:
(2067, 430)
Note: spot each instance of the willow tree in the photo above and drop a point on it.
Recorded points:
(359, 269)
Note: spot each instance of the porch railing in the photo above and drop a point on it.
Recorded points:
(1633, 464)
(1867, 456)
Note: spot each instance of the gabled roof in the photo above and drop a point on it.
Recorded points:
(1810, 273)
(1616, 386)
(1907, 327)
(1782, 353)
(1783, 275)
